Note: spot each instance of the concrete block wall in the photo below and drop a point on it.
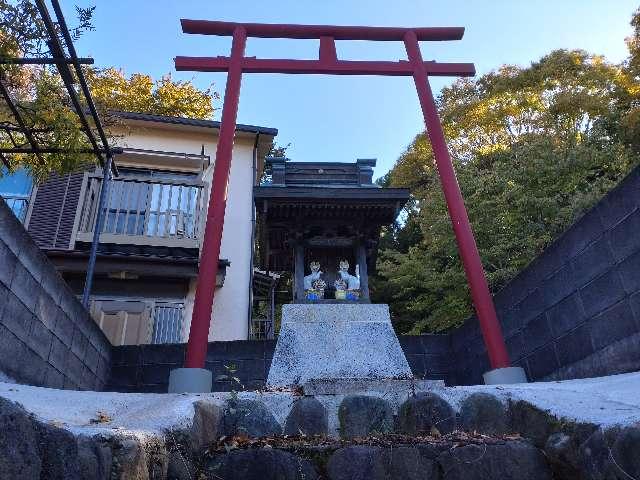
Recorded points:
(429, 356)
(46, 336)
(145, 368)
(575, 310)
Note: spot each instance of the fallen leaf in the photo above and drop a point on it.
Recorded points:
(101, 417)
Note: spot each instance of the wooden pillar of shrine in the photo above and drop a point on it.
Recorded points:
(298, 269)
(361, 258)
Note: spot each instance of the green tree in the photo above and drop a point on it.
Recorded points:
(630, 114)
(633, 44)
(533, 149)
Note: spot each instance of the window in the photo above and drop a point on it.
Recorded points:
(16, 188)
(127, 321)
(167, 322)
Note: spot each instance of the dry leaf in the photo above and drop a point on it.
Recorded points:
(101, 417)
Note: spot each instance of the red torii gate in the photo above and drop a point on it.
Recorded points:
(329, 64)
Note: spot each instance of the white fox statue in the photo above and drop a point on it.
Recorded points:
(353, 282)
(315, 275)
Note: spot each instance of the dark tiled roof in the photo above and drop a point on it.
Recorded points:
(284, 173)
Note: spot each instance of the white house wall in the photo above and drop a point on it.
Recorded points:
(231, 304)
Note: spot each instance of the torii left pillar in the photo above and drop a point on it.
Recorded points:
(193, 377)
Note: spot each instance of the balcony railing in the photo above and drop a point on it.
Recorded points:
(144, 211)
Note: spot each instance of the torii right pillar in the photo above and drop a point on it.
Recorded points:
(502, 372)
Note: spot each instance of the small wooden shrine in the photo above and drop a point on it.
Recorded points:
(324, 213)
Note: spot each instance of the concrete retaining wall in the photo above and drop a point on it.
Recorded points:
(145, 368)
(575, 310)
(46, 337)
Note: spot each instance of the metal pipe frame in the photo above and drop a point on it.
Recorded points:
(43, 61)
(102, 201)
(23, 126)
(65, 73)
(327, 63)
(40, 150)
(13, 128)
(62, 62)
(108, 165)
(83, 83)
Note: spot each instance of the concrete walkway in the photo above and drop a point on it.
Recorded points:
(605, 401)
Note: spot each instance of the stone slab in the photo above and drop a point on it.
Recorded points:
(336, 341)
(349, 386)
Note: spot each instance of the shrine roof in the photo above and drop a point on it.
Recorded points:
(332, 193)
(379, 206)
(329, 190)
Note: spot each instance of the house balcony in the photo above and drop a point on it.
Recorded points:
(144, 211)
(152, 229)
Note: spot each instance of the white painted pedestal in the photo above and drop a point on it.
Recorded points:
(336, 341)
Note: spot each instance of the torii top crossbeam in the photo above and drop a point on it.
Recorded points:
(328, 63)
(338, 32)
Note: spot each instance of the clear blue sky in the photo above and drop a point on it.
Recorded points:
(344, 118)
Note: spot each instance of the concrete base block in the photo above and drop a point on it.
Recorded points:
(190, 380)
(505, 376)
(336, 341)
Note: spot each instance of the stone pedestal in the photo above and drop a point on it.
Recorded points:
(505, 376)
(190, 380)
(336, 342)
